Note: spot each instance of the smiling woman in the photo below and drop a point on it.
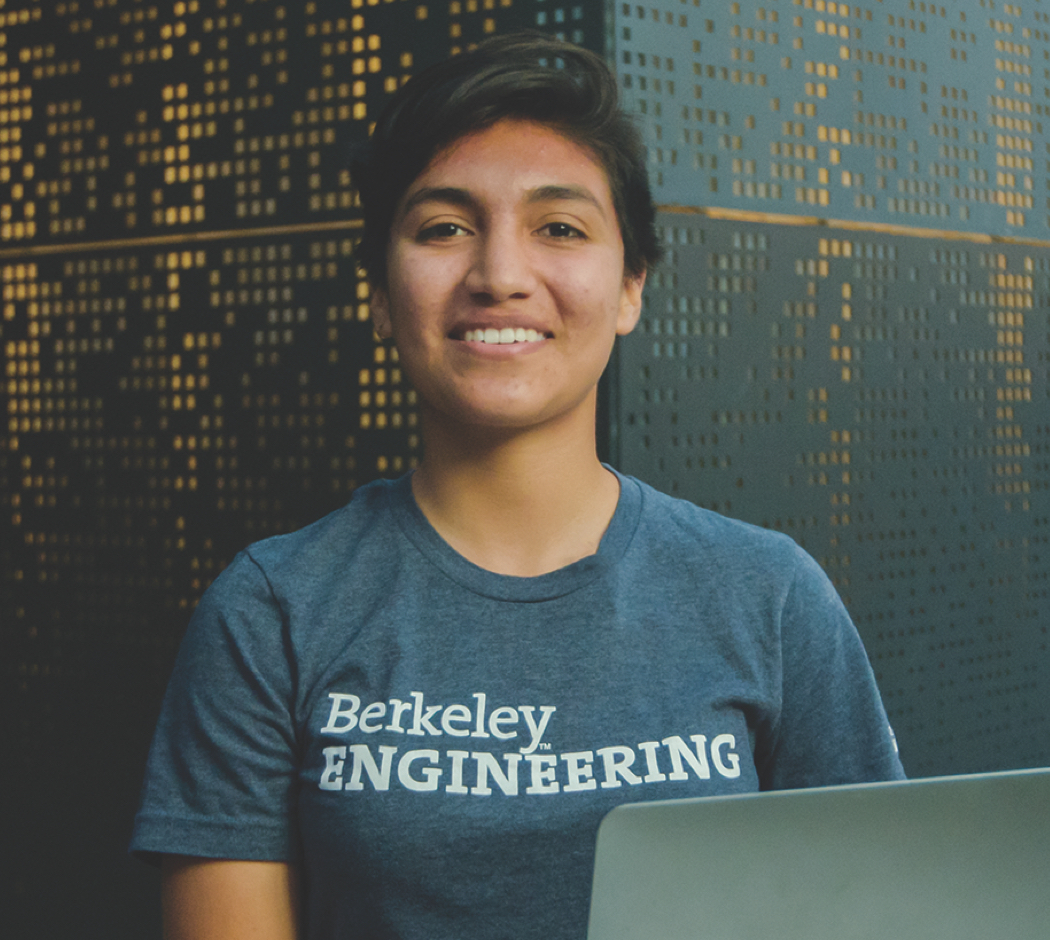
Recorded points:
(334, 758)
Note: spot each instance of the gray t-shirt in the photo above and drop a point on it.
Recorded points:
(434, 744)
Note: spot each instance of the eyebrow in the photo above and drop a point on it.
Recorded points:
(449, 194)
(569, 193)
(464, 198)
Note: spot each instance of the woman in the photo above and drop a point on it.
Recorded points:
(408, 719)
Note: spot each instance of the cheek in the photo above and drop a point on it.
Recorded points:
(407, 300)
(591, 294)
(421, 284)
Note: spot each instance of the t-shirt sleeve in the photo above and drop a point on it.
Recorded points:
(832, 727)
(221, 774)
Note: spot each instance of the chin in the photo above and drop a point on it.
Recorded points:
(517, 417)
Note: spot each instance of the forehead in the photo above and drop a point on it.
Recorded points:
(514, 154)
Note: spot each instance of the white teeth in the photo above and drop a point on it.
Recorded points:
(504, 336)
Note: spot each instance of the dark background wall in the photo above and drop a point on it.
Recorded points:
(188, 363)
(848, 341)
(843, 388)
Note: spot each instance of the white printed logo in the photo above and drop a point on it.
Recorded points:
(476, 772)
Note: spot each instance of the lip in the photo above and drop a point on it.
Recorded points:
(499, 351)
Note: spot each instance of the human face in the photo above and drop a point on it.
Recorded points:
(509, 234)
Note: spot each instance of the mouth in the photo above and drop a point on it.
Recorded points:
(505, 336)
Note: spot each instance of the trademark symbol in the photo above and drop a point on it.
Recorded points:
(545, 745)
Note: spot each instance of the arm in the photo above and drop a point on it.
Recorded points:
(217, 899)
(220, 777)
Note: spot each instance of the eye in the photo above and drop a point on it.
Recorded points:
(562, 230)
(441, 230)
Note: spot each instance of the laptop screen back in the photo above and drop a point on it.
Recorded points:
(943, 859)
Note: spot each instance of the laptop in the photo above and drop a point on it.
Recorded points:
(951, 858)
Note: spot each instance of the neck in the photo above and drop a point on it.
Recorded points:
(516, 502)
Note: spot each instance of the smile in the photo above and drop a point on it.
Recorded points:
(502, 337)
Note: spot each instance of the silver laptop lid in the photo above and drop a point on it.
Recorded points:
(952, 858)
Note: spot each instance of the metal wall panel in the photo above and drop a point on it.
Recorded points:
(856, 217)
(882, 398)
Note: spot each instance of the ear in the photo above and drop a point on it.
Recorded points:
(630, 303)
(379, 306)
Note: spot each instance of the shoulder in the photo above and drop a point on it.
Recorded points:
(331, 534)
(729, 562)
(302, 563)
(683, 526)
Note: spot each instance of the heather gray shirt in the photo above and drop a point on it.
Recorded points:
(435, 744)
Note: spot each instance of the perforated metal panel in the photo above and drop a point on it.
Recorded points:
(882, 399)
(918, 114)
(848, 338)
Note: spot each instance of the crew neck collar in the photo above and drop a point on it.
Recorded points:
(544, 587)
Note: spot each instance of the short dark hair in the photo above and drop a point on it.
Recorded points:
(525, 75)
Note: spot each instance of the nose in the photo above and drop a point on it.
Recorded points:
(502, 267)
